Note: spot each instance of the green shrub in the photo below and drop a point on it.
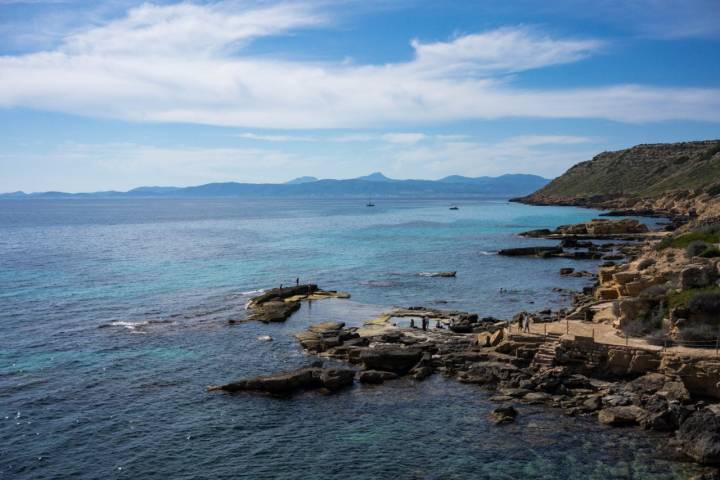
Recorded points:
(714, 190)
(707, 234)
(711, 229)
(697, 248)
(710, 253)
(683, 297)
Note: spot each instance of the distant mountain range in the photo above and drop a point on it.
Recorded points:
(375, 184)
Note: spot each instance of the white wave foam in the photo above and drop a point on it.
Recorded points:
(253, 292)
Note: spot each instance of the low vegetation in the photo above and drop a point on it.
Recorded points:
(694, 298)
(697, 243)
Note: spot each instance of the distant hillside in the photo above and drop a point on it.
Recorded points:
(375, 184)
(298, 180)
(670, 177)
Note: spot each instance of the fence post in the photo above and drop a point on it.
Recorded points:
(717, 345)
(593, 334)
(545, 327)
(626, 339)
(567, 326)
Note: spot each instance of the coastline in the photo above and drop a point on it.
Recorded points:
(584, 376)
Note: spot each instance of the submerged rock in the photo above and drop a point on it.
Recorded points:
(530, 251)
(375, 376)
(503, 414)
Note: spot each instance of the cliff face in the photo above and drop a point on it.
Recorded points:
(677, 178)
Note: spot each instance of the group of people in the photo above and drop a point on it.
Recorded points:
(425, 323)
(524, 319)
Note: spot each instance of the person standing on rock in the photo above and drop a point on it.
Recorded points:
(521, 321)
(527, 324)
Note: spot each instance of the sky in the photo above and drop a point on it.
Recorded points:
(117, 94)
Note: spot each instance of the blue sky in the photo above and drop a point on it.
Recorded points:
(117, 94)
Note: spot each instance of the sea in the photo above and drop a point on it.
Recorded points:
(115, 315)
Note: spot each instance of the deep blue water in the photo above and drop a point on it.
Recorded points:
(114, 318)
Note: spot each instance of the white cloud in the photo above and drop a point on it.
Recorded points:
(403, 138)
(391, 137)
(500, 51)
(185, 63)
(276, 138)
(540, 154)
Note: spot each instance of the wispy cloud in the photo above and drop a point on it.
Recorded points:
(540, 154)
(276, 138)
(391, 137)
(186, 63)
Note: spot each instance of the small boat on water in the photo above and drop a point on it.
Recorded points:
(454, 207)
(370, 202)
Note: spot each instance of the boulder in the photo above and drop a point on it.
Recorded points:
(390, 358)
(336, 378)
(566, 271)
(696, 276)
(537, 397)
(620, 416)
(375, 376)
(503, 414)
(621, 278)
(592, 403)
(699, 437)
(607, 294)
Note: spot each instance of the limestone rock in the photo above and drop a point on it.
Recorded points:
(696, 276)
(390, 358)
(620, 416)
(287, 383)
(326, 327)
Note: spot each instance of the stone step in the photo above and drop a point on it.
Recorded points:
(543, 362)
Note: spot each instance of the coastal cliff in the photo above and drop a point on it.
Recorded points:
(666, 179)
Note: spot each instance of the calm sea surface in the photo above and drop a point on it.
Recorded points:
(114, 318)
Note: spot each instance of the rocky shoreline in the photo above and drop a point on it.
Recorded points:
(620, 385)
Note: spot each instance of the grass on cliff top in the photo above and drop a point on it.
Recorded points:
(683, 297)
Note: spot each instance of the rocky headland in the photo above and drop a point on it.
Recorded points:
(680, 181)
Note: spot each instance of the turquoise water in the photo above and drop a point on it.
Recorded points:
(114, 317)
